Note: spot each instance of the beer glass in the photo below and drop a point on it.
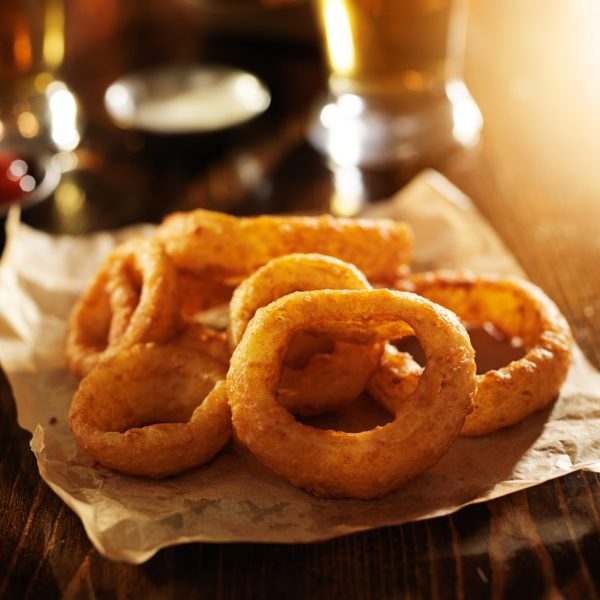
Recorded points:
(36, 108)
(395, 91)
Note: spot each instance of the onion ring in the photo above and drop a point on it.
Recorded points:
(518, 309)
(133, 298)
(233, 248)
(152, 410)
(89, 325)
(337, 464)
(199, 293)
(328, 380)
(395, 381)
(206, 340)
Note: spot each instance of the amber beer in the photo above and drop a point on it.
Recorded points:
(384, 47)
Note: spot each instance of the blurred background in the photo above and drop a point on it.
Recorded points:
(531, 66)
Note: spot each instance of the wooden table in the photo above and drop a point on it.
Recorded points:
(534, 71)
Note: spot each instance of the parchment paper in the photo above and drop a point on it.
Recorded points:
(235, 499)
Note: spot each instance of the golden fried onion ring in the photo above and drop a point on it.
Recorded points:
(233, 248)
(207, 341)
(152, 410)
(518, 309)
(394, 382)
(200, 292)
(334, 463)
(328, 380)
(133, 298)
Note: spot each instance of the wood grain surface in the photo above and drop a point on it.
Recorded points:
(534, 71)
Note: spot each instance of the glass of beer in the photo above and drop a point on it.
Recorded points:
(36, 108)
(395, 91)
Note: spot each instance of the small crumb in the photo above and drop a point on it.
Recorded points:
(588, 311)
(53, 421)
(517, 342)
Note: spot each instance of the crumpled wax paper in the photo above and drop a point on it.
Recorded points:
(234, 498)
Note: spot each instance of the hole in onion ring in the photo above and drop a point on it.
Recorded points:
(173, 411)
(201, 292)
(493, 349)
(361, 414)
(411, 344)
(304, 346)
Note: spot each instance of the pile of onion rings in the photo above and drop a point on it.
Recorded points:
(308, 328)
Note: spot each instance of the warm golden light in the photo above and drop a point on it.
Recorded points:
(340, 46)
(42, 81)
(22, 51)
(28, 124)
(467, 120)
(385, 46)
(413, 81)
(63, 116)
(344, 129)
(69, 199)
(349, 195)
(54, 40)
